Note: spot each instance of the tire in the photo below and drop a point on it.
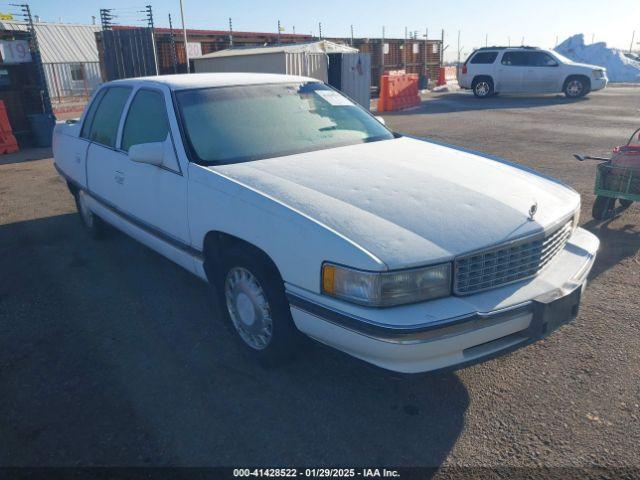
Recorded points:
(575, 87)
(625, 204)
(93, 224)
(603, 208)
(254, 307)
(482, 87)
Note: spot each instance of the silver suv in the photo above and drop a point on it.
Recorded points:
(493, 70)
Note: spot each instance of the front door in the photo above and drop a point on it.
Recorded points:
(543, 74)
(154, 195)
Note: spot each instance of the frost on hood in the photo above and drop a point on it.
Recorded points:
(620, 67)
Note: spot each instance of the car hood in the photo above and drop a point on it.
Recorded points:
(410, 202)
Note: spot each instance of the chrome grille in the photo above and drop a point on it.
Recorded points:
(508, 263)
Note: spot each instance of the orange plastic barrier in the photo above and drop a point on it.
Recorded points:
(446, 75)
(398, 90)
(8, 143)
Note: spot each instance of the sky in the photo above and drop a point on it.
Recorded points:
(539, 22)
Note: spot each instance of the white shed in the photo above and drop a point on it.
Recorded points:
(307, 59)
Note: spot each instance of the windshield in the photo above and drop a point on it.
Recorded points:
(243, 123)
(562, 58)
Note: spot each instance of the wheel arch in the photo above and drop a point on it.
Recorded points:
(483, 76)
(216, 243)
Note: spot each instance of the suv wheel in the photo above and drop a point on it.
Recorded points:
(576, 87)
(482, 87)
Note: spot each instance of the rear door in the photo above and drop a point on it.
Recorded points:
(71, 144)
(511, 72)
(106, 165)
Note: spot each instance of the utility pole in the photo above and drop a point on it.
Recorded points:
(184, 34)
(230, 33)
(382, 53)
(320, 30)
(486, 40)
(37, 59)
(150, 24)
(442, 47)
(426, 48)
(106, 18)
(404, 49)
(172, 39)
(508, 41)
(459, 46)
(293, 29)
(352, 35)
(633, 37)
(556, 41)
(278, 42)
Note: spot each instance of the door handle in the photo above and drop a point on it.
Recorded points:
(119, 177)
(78, 158)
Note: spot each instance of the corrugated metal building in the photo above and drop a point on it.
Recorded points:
(70, 57)
(307, 59)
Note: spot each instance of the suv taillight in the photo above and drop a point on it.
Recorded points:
(464, 69)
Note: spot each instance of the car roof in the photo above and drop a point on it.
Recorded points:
(522, 47)
(203, 80)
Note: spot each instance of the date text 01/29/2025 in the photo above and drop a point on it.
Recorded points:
(316, 472)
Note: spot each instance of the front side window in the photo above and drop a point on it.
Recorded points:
(515, 59)
(146, 121)
(242, 123)
(105, 123)
(541, 59)
(484, 58)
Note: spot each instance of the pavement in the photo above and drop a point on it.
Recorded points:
(112, 355)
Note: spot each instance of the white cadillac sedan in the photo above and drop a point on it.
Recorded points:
(308, 215)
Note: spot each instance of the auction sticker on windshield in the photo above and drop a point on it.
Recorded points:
(334, 98)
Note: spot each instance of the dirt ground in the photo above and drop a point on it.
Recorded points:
(110, 355)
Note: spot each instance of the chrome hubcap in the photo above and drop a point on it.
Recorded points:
(482, 89)
(575, 88)
(87, 215)
(248, 308)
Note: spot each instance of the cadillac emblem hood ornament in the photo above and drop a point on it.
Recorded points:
(533, 210)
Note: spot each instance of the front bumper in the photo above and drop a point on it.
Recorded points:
(495, 322)
(599, 84)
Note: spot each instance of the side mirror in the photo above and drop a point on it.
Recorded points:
(381, 120)
(151, 153)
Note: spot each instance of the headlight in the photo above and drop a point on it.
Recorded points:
(576, 219)
(384, 289)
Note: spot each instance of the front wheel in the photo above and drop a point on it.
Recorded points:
(251, 294)
(603, 208)
(576, 88)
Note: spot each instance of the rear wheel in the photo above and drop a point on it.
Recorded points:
(576, 87)
(253, 303)
(93, 224)
(482, 87)
(603, 208)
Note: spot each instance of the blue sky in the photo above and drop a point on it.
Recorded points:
(538, 21)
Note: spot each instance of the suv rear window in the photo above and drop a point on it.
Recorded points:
(484, 57)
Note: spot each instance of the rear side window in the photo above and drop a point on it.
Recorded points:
(88, 119)
(106, 119)
(484, 57)
(515, 59)
(146, 121)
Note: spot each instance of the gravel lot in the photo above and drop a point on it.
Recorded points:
(110, 354)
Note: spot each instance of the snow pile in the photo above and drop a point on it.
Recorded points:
(620, 67)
